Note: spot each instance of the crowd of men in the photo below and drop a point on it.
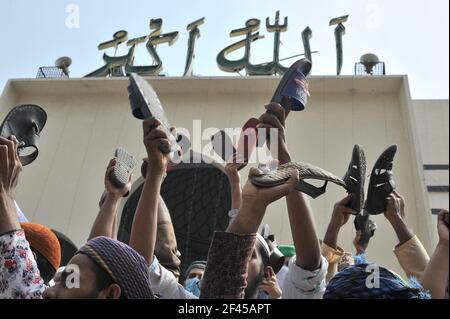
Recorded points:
(241, 263)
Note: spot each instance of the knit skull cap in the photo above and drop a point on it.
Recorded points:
(123, 264)
(351, 283)
(44, 241)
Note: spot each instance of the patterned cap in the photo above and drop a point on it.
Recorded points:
(123, 264)
(352, 283)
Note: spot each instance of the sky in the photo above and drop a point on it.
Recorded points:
(410, 36)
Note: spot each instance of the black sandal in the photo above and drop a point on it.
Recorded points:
(381, 183)
(355, 178)
(367, 227)
(25, 122)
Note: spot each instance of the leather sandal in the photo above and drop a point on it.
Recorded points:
(381, 182)
(355, 178)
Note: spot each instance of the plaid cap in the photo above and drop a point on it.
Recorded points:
(350, 283)
(125, 266)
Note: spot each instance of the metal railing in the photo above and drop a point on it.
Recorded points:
(376, 69)
(51, 72)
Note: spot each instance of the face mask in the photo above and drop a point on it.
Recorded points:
(193, 286)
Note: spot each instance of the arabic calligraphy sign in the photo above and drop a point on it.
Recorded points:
(119, 66)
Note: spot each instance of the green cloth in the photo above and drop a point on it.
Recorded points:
(287, 250)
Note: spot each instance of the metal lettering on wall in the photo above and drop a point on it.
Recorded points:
(119, 66)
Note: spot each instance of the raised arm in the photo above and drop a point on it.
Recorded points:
(144, 229)
(231, 169)
(330, 250)
(231, 251)
(10, 168)
(18, 271)
(410, 252)
(435, 276)
(104, 224)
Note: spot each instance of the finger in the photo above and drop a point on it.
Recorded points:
(271, 272)
(3, 140)
(441, 216)
(156, 134)
(399, 195)
(270, 121)
(346, 200)
(4, 156)
(112, 163)
(347, 210)
(288, 187)
(173, 130)
(277, 110)
(109, 171)
(255, 172)
(150, 124)
(161, 144)
(12, 149)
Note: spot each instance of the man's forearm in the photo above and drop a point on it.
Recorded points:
(236, 197)
(248, 219)
(144, 229)
(435, 276)
(304, 231)
(8, 216)
(331, 236)
(104, 223)
(404, 233)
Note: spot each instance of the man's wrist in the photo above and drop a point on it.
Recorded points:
(112, 197)
(333, 228)
(443, 244)
(403, 232)
(284, 159)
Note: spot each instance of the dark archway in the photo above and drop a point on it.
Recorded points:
(198, 197)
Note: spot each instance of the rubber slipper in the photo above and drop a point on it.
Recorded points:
(25, 122)
(367, 227)
(123, 169)
(355, 178)
(292, 92)
(306, 171)
(145, 104)
(381, 183)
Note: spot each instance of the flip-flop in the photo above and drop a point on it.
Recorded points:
(292, 92)
(355, 178)
(381, 183)
(25, 122)
(367, 227)
(306, 171)
(123, 169)
(145, 104)
(223, 145)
